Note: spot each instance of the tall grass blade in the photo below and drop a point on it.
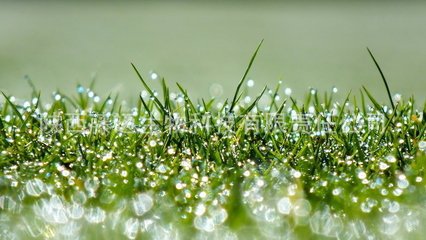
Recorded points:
(15, 110)
(237, 91)
(383, 78)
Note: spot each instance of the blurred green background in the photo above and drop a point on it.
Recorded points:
(307, 44)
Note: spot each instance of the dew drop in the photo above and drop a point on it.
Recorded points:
(250, 83)
(142, 203)
(152, 143)
(131, 228)
(200, 209)
(393, 207)
(362, 175)
(390, 159)
(288, 91)
(204, 223)
(284, 206)
(95, 215)
(302, 208)
(35, 187)
(219, 215)
(422, 145)
(80, 89)
(75, 211)
(153, 75)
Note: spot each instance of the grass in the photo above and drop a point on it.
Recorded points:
(173, 167)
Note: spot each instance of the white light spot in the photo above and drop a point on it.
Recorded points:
(362, 175)
(250, 83)
(284, 205)
(288, 91)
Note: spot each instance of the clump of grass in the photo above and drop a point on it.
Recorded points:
(171, 165)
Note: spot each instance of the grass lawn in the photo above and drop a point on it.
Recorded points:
(86, 166)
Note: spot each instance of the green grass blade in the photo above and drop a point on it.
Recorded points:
(151, 93)
(383, 78)
(237, 91)
(15, 110)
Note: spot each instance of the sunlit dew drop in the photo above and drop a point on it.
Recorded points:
(96, 99)
(313, 91)
(411, 224)
(57, 97)
(287, 91)
(393, 207)
(90, 94)
(204, 223)
(390, 224)
(390, 159)
(383, 166)
(171, 151)
(152, 143)
(95, 215)
(362, 175)
(284, 206)
(216, 90)
(131, 228)
(53, 210)
(153, 75)
(219, 215)
(80, 89)
(422, 145)
(247, 99)
(161, 168)
(250, 83)
(200, 209)
(75, 211)
(142, 203)
(397, 97)
(144, 94)
(334, 89)
(35, 187)
(402, 181)
(7, 203)
(202, 194)
(70, 230)
(365, 207)
(302, 208)
(296, 174)
(337, 191)
(91, 185)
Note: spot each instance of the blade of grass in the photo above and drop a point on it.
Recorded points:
(237, 91)
(151, 93)
(15, 110)
(383, 78)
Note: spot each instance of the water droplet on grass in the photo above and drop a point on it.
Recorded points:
(250, 83)
(204, 223)
(219, 215)
(153, 75)
(75, 211)
(422, 145)
(95, 215)
(131, 228)
(288, 91)
(284, 205)
(142, 204)
(35, 187)
(80, 89)
(302, 208)
(390, 159)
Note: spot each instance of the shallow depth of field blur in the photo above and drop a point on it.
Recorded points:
(206, 46)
